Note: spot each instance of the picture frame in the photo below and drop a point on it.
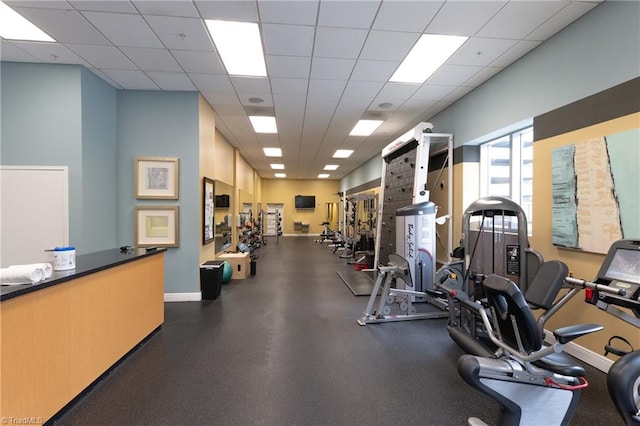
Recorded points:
(157, 226)
(208, 210)
(157, 178)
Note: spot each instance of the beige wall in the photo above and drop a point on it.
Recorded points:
(582, 264)
(284, 191)
(224, 160)
(466, 189)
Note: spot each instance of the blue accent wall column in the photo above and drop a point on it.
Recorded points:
(99, 141)
(162, 124)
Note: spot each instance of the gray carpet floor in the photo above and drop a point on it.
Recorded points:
(283, 348)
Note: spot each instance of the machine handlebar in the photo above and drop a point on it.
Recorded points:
(594, 286)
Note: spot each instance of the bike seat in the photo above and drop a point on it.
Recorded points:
(560, 363)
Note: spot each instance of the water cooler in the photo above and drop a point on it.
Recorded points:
(416, 242)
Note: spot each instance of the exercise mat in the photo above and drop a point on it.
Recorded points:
(360, 283)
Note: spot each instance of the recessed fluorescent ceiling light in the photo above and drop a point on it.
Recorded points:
(272, 152)
(365, 127)
(14, 26)
(277, 166)
(323, 175)
(263, 124)
(428, 54)
(331, 167)
(280, 175)
(343, 153)
(239, 46)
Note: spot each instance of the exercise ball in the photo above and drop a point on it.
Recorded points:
(227, 271)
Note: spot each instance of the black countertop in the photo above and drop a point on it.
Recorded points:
(85, 264)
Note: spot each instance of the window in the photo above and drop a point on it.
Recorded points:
(506, 169)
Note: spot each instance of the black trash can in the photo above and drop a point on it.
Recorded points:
(252, 267)
(211, 279)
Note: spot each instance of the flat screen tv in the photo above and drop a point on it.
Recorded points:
(222, 201)
(305, 202)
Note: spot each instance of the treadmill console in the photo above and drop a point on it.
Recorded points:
(620, 270)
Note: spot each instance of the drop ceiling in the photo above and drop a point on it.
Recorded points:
(328, 62)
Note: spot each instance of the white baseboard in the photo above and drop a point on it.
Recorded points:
(594, 359)
(183, 297)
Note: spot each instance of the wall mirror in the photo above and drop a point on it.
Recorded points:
(223, 215)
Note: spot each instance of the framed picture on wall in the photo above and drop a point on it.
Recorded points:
(157, 226)
(208, 210)
(157, 178)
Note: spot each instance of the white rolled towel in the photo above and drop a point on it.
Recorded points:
(47, 268)
(18, 275)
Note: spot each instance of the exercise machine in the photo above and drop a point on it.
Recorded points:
(621, 271)
(533, 384)
(494, 241)
(384, 298)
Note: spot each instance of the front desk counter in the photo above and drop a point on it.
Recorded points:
(60, 335)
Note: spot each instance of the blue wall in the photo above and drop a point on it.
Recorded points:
(162, 124)
(99, 141)
(42, 126)
(64, 115)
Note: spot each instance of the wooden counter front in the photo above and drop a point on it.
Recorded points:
(58, 340)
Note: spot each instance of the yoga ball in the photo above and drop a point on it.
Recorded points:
(227, 271)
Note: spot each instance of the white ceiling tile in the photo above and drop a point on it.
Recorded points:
(411, 16)
(171, 81)
(212, 83)
(331, 69)
(463, 18)
(326, 87)
(363, 89)
(381, 71)
(230, 110)
(181, 33)
(398, 90)
(133, 80)
(457, 93)
(181, 8)
(453, 74)
(517, 19)
(289, 101)
(347, 14)
(339, 42)
(251, 84)
(124, 30)
(288, 66)
(46, 4)
(289, 86)
(322, 105)
(65, 26)
(385, 101)
(483, 75)
(293, 113)
(288, 12)
(151, 59)
(103, 56)
(233, 10)
(52, 53)
(199, 62)
(249, 101)
(217, 98)
(560, 20)
(388, 45)
(353, 103)
(9, 52)
(415, 105)
(291, 40)
(519, 50)
(120, 6)
(481, 51)
(432, 92)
